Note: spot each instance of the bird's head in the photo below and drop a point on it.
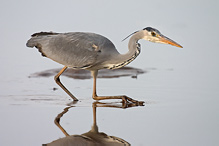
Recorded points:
(153, 35)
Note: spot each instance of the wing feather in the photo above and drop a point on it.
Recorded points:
(76, 49)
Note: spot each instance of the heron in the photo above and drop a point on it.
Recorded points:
(91, 51)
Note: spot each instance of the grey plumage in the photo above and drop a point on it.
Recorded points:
(76, 49)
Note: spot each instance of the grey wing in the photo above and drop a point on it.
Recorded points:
(77, 49)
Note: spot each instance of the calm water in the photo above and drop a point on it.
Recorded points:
(179, 86)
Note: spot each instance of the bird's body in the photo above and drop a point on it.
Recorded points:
(79, 50)
(91, 51)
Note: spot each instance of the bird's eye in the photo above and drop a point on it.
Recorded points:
(153, 33)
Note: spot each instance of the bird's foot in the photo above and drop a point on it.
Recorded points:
(127, 100)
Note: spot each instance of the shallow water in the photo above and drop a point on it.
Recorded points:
(172, 112)
(179, 87)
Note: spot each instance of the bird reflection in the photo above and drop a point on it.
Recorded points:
(92, 137)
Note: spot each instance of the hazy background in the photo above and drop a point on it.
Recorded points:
(193, 24)
(184, 81)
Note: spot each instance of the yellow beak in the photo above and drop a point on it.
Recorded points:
(166, 40)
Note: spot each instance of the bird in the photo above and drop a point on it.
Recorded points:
(91, 51)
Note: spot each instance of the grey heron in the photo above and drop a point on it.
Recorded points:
(90, 51)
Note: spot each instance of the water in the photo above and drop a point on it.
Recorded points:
(179, 86)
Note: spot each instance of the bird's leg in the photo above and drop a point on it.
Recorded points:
(62, 86)
(124, 98)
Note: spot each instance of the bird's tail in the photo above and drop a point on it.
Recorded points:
(38, 39)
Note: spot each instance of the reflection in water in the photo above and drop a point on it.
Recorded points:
(92, 137)
(85, 74)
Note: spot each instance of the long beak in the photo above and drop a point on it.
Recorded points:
(166, 40)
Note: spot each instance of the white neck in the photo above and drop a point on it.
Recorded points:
(134, 51)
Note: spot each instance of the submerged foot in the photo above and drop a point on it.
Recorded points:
(127, 100)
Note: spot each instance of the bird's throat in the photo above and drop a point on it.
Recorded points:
(127, 58)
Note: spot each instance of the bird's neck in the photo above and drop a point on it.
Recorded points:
(134, 51)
